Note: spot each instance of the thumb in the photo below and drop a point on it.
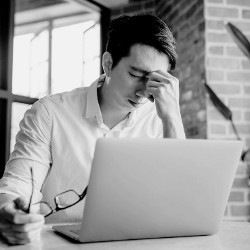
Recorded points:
(22, 203)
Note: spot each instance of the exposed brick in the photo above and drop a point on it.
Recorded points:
(237, 116)
(222, 12)
(187, 96)
(216, 50)
(242, 170)
(236, 196)
(239, 2)
(246, 14)
(245, 64)
(149, 4)
(226, 89)
(218, 129)
(240, 210)
(186, 21)
(201, 115)
(239, 102)
(242, 26)
(241, 128)
(233, 51)
(223, 63)
(215, 1)
(215, 75)
(247, 89)
(133, 8)
(215, 25)
(218, 37)
(247, 116)
(215, 115)
(240, 182)
(238, 76)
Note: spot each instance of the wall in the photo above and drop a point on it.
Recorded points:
(206, 49)
(181, 16)
(134, 7)
(228, 73)
(186, 20)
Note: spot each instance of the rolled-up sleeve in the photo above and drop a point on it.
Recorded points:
(32, 150)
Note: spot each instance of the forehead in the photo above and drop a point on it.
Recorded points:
(147, 58)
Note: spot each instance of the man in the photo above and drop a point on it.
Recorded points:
(136, 97)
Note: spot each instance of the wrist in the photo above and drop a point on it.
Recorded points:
(173, 128)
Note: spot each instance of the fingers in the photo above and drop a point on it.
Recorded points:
(18, 227)
(161, 76)
(22, 238)
(159, 82)
(22, 203)
(23, 228)
(17, 216)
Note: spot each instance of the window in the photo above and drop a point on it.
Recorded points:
(35, 51)
(53, 55)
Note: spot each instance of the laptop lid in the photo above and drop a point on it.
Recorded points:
(151, 188)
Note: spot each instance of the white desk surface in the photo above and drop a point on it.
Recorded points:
(232, 235)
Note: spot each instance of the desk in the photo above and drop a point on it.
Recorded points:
(232, 235)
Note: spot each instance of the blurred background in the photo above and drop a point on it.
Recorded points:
(51, 46)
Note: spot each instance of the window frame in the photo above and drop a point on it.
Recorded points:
(7, 13)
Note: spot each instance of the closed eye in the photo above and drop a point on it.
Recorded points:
(134, 75)
(139, 77)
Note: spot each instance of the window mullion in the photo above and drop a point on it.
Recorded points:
(50, 57)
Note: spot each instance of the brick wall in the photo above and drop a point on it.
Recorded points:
(189, 34)
(186, 21)
(228, 73)
(205, 48)
(134, 7)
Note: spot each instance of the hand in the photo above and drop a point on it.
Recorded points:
(16, 225)
(165, 89)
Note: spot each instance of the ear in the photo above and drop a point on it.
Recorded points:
(107, 63)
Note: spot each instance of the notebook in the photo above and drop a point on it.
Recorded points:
(154, 188)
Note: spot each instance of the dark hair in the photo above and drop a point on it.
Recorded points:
(126, 31)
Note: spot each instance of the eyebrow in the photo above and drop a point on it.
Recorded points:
(140, 70)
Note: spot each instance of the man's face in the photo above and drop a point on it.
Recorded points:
(128, 79)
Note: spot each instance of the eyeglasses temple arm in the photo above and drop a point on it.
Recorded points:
(32, 190)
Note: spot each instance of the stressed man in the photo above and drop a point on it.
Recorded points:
(135, 97)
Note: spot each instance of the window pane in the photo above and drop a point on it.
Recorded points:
(91, 43)
(70, 53)
(39, 65)
(30, 64)
(21, 64)
(91, 70)
(67, 57)
(18, 110)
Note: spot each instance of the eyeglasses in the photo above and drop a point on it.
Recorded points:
(62, 201)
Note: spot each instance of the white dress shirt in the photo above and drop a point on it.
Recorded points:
(57, 140)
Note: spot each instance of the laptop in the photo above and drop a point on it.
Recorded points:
(154, 188)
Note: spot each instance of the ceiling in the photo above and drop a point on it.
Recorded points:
(57, 8)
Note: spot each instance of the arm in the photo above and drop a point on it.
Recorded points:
(165, 90)
(32, 150)
(16, 226)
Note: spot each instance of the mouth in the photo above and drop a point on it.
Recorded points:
(133, 103)
(137, 103)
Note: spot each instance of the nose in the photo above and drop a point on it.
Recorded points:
(141, 92)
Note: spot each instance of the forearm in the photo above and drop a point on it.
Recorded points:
(5, 198)
(173, 129)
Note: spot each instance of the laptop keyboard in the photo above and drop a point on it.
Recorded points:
(76, 231)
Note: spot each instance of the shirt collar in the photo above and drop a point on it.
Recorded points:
(92, 107)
